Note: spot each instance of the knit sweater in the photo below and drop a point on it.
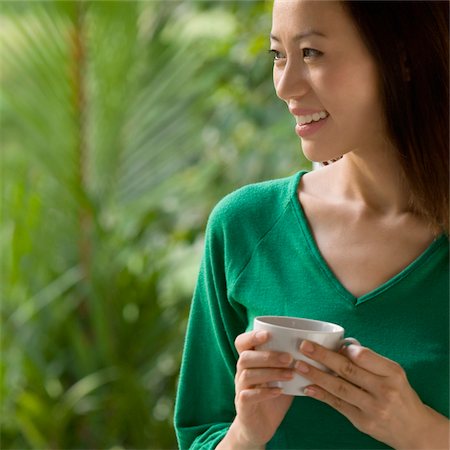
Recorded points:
(260, 258)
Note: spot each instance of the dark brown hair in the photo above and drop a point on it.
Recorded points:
(410, 43)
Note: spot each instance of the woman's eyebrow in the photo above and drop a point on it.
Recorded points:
(300, 36)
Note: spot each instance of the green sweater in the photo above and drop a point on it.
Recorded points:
(261, 259)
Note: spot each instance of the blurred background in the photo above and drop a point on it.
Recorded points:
(122, 125)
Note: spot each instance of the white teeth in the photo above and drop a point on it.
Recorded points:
(301, 120)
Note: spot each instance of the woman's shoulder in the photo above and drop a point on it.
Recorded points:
(260, 202)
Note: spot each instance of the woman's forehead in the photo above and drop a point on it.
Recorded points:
(294, 18)
(326, 12)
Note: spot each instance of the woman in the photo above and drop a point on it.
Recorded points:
(362, 242)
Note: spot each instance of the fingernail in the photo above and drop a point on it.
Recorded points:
(307, 347)
(302, 367)
(288, 375)
(310, 391)
(285, 358)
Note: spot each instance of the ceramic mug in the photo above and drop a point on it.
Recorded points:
(286, 335)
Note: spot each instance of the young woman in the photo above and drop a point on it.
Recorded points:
(362, 242)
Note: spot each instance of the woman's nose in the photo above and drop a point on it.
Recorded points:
(290, 81)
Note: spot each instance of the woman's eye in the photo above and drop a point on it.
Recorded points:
(311, 53)
(276, 54)
(307, 53)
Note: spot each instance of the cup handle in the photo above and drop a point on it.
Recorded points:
(348, 341)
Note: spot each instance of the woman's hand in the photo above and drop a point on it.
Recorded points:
(375, 395)
(260, 408)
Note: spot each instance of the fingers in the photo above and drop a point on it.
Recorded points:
(250, 340)
(260, 368)
(253, 359)
(335, 387)
(250, 358)
(372, 362)
(248, 378)
(362, 375)
(340, 364)
(257, 395)
(348, 410)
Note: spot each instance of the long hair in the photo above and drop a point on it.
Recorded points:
(410, 43)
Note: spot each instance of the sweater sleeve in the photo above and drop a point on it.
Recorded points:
(204, 406)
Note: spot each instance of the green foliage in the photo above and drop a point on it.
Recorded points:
(122, 124)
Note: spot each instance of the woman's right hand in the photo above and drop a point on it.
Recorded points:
(259, 408)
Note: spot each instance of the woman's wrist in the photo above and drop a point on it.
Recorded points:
(433, 432)
(235, 440)
(438, 431)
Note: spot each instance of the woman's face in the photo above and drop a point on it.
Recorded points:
(328, 70)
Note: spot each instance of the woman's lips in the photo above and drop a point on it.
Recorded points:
(308, 129)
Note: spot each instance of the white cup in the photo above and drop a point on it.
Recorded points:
(286, 335)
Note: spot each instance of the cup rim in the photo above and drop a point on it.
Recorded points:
(264, 320)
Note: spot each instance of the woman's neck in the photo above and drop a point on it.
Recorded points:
(372, 181)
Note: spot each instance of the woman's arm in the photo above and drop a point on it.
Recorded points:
(234, 440)
(204, 407)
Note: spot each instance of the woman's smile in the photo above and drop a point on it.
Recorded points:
(306, 128)
(308, 118)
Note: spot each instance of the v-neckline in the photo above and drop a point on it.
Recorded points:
(329, 274)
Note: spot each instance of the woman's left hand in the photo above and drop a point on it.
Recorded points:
(373, 392)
